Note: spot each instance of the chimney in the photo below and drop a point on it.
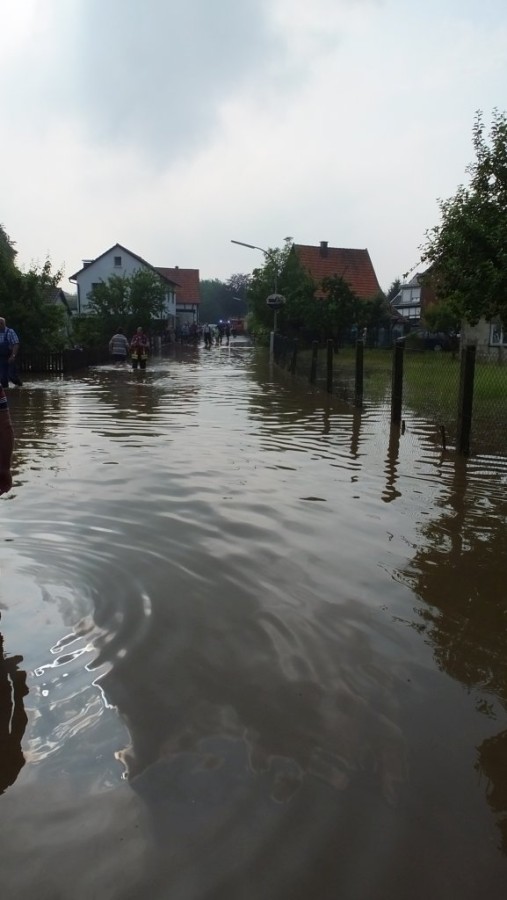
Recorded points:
(176, 267)
(87, 262)
(323, 248)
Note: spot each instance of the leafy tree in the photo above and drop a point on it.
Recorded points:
(127, 300)
(238, 284)
(308, 312)
(30, 309)
(374, 313)
(9, 274)
(110, 299)
(393, 289)
(441, 317)
(147, 297)
(7, 248)
(283, 270)
(219, 299)
(91, 331)
(339, 310)
(467, 252)
(215, 296)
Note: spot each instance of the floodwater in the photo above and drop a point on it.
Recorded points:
(264, 642)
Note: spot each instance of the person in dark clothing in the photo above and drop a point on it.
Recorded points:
(9, 346)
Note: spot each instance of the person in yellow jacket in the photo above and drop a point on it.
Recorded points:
(139, 348)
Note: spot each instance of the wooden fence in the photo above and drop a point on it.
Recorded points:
(59, 362)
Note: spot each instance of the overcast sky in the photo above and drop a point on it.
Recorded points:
(172, 126)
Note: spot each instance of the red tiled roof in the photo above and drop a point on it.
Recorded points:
(354, 266)
(187, 281)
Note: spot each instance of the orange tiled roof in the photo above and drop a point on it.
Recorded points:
(187, 281)
(354, 266)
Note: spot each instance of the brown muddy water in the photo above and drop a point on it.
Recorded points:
(264, 644)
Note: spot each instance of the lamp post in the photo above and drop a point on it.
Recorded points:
(275, 301)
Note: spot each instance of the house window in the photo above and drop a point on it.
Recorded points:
(497, 336)
(410, 312)
(117, 261)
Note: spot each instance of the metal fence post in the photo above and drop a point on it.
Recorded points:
(397, 382)
(313, 369)
(329, 379)
(465, 399)
(359, 386)
(293, 362)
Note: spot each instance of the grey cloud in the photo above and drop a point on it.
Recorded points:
(152, 74)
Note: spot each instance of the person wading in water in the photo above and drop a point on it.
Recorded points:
(139, 347)
(9, 346)
(119, 346)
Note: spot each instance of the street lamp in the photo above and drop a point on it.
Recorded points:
(275, 301)
(266, 253)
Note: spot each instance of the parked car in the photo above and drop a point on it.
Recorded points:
(432, 340)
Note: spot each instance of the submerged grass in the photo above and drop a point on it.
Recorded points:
(430, 387)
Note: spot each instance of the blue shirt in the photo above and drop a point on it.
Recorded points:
(10, 336)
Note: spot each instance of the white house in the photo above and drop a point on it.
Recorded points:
(490, 339)
(119, 261)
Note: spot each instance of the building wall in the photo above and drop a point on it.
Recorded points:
(103, 268)
(480, 335)
(187, 313)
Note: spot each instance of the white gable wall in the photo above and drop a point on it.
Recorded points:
(107, 265)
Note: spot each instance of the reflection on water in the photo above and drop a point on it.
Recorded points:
(492, 763)
(235, 692)
(13, 718)
(459, 571)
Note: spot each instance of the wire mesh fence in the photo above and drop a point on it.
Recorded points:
(467, 404)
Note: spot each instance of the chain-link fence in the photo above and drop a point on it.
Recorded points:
(465, 398)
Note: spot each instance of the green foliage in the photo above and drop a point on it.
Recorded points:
(9, 274)
(39, 318)
(441, 317)
(339, 310)
(224, 299)
(215, 298)
(109, 300)
(124, 300)
(393, 289)
(371, 314)
(147, 297)
(7, 248)
(467, 252)
(325, 313)
(27, 303)
(282, 273)
(91, 331)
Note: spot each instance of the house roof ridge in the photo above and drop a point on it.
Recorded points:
(353, 264)
(125, 250)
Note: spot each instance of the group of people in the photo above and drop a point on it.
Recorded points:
(138, 348)
(216, 333)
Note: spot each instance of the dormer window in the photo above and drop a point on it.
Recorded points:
(117, 261)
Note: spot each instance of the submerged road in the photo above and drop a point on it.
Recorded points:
(263, 641)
